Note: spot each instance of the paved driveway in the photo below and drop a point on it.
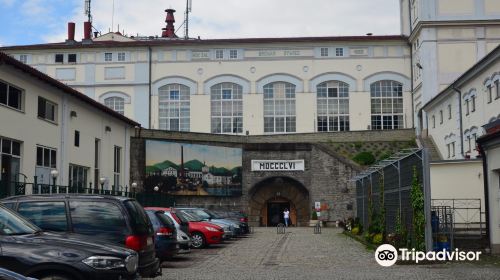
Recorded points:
(300, 254)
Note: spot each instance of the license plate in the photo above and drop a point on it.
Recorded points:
(149, 241)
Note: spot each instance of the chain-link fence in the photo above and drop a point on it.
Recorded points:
(396, 173)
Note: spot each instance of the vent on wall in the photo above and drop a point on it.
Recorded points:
(359, 52)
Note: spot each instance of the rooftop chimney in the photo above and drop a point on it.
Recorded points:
(71, 32)
(169, 31)
(87, 30)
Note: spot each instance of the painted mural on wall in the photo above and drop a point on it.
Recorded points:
(193, 169)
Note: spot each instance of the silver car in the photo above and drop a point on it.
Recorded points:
(183, 238)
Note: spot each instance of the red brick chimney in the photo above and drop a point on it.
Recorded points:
(169, 31)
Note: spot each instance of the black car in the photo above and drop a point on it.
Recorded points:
(111, 219)
(29, 251)
(166, 235)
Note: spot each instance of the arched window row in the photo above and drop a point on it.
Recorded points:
(332, 99)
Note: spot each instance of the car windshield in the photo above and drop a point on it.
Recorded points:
(213, 215)
(13, 224)
(200, 213)
(190, 217)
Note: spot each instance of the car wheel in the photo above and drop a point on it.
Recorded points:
(55, 277)
(198, 240)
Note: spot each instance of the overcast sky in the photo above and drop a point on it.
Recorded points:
(41, 21)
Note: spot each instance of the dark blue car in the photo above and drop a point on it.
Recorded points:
(166, 245)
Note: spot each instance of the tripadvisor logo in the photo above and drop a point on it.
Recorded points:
(386, 255)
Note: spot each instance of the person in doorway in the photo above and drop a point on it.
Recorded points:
(286, 215)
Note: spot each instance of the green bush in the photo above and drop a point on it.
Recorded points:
(385, 156)
(355, 230)
(364, 158)
(314, 215)
(377, 239)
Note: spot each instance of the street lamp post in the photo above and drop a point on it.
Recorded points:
(102, 180)
(134, 186)
(54, 173)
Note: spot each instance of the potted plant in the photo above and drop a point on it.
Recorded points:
(314, 219)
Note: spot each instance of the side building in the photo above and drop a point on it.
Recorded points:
(455, 119)
(57, 134)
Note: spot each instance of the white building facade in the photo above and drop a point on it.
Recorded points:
(48, 126)
(240, 86)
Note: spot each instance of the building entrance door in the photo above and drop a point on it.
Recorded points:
(275, 212)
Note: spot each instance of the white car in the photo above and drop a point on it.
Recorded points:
(182, 238)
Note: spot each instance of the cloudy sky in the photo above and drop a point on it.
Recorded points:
(41, 21)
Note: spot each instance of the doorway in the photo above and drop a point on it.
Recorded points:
(275, 212)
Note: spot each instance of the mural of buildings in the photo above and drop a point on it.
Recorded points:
(177, 168)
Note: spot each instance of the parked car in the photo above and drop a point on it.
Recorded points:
(113, 219)
(28, 250)
(166, 235)
(229, 231)
(183, 238)
(11, 275)
(235, 216)
(202, 233)
(208, 216)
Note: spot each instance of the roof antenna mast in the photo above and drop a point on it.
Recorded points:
(88, 11)
(189, 4)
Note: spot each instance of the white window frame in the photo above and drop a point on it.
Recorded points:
(108, 57)
(7, 97)
(115, 103)
(23, 58)
(384, 96)
(233, 54)
(174, 109)
(339, 52)
(324, 52)
(222, 116)
(285, 103)
(48, 104)
(333, 96)
(219, 54)
(121, 56)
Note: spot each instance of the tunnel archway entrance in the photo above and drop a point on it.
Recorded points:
(271, 196)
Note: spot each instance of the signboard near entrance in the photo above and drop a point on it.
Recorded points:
(278, 165)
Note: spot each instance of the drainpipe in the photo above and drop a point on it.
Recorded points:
(411, 85)
(149, 86)
(486, 193)
(460, 118)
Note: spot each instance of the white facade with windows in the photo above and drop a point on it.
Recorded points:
(239, 86)
(457, 114)
(46, 125)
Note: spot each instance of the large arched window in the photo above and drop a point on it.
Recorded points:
(226, 108)
(173, 107)
(387, 105)
(116, 103)
(279, 107)
(333, 106)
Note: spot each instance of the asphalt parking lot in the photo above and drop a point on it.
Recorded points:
(300, 254)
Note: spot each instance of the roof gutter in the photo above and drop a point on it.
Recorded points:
(459, 94)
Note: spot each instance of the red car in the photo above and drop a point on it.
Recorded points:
(202, 233)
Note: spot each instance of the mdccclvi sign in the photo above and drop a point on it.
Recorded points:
(278, 165)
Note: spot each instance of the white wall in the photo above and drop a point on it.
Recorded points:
(31, 131)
